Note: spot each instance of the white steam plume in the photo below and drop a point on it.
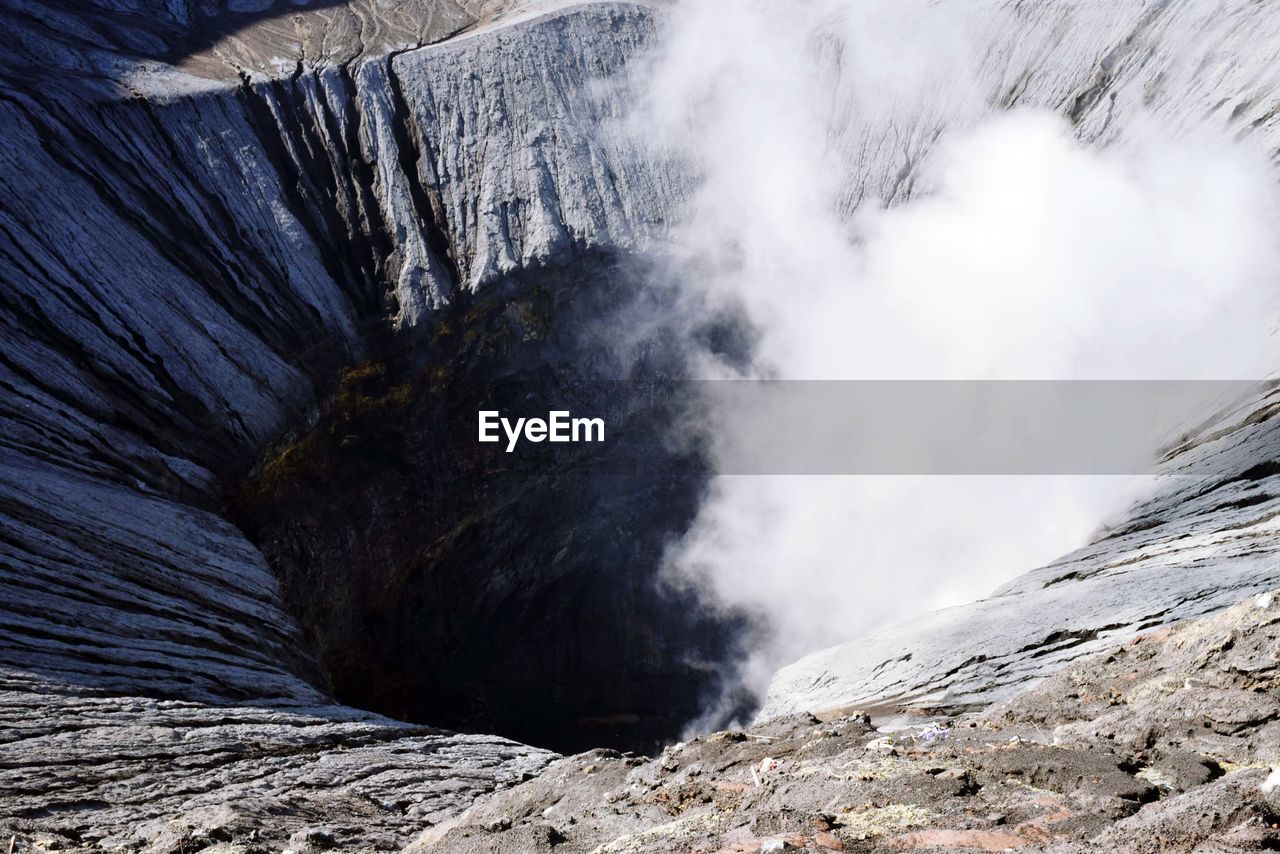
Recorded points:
(1010, 250)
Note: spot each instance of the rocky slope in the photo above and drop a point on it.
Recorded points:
(102, 773)
(1163, 744)
(189, 259)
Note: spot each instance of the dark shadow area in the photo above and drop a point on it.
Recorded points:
(445, 581)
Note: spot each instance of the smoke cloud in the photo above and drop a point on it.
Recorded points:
(872, 213)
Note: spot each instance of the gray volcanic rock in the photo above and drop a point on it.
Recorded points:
(526, 171)
(103, 773)
(1121, 752)
(1206, 687)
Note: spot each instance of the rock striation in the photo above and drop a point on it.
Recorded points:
(107, 773)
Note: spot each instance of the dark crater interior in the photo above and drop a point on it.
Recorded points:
(450, 583)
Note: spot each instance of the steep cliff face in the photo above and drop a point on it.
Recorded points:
(185, 274)
(183, 279)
